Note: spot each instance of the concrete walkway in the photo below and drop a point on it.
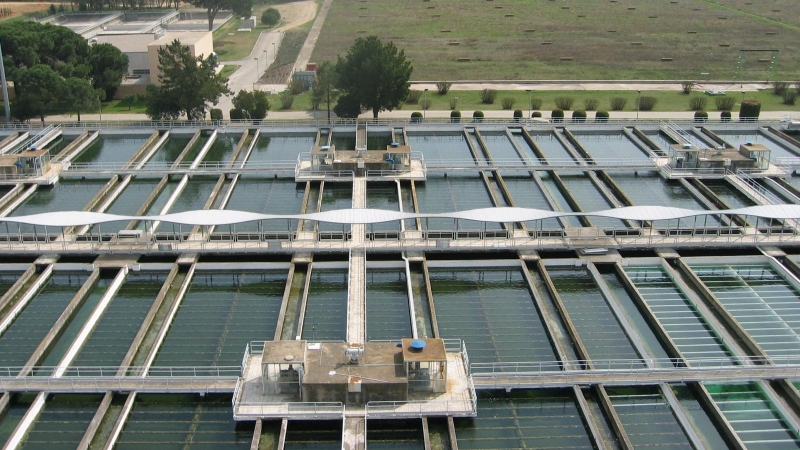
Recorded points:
(308, 46)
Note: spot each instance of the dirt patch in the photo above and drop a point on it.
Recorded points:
(14, 9)
(296, 13)
(276, 75)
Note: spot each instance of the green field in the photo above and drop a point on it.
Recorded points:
(604, 39)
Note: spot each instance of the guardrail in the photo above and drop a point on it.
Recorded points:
(84, 125)
(418, 408)
(547, 368)
(112, 371)
(295, 410)
(211, 166)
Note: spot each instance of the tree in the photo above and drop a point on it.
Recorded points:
(242, 8)
(188, 83)
(347, 107)
(254, 104)
(324, 90)
(270, 17)
(28, 43)
(39, 89)
(80, 96)
(109, 65)
(374, 74)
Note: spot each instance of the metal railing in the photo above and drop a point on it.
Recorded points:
(112, 371)
(756, 189)
(419, 408)
(136, 167)
(546, 368)
(150, 124)
(295, 410)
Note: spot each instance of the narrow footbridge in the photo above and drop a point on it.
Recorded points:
(631, 372)
(556, 374)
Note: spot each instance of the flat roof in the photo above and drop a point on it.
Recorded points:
(127, 43)
(186, 37)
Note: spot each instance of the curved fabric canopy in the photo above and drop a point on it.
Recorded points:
(366, 216)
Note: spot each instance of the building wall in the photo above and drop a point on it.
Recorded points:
(202, 46)
(138, 61)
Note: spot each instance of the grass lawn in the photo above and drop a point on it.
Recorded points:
(587, 39)
(228, 70)
(122, 107)
(238, 46)
(470, 100)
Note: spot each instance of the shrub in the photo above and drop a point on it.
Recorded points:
(725, 103)
(518, 114)
(454, 103)
(416, 117)
(618, 103)
(536, 114)
(443, 87)
(564, 103)
(557, 115)
(297, 87)
(413, 96)
(697, 103)
(687, 86)
(789, 97)
(488, 96)
(287, 100)
(725, 116)
(130, 99)
(216, 114)
(701, 116)
(477, 116)
(590, 104)
(750, 110)
(455, 116)
(536, 103)
(647, 103)
(579, 116)
(425, 104)
(601, 116)
(270, 17)
(779, 87)
(237, 114)
(508, 102)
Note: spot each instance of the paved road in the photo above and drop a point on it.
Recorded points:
(244, 79)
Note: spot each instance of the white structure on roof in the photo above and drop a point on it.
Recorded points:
(207, 217)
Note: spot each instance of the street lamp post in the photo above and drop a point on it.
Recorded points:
(530, 105)
(266, 60)
(258, 67)
(638, 102)
(424, 103)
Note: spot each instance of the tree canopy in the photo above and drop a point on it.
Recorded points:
(80, 96)
(32, 47)
(324, 90)
(188, 84)
(108, 68)
(253, 104)
(375, 74)
(242, 8)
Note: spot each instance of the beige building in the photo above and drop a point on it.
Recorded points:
(200, 43)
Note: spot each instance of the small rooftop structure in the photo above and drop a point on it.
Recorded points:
(286, 375)
(30, 162)
(749, 157)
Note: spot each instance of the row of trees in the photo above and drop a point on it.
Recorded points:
(54, 68)
(372, 76)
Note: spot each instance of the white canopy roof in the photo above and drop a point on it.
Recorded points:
(351, 216)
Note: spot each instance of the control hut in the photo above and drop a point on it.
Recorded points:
(31, 162)
(328, 158)
(353, 374)
(749, 157)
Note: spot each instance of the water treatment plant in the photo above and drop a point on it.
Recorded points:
(400, 285)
